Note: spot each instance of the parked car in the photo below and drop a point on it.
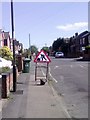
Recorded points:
(5, 63)
(59, 54)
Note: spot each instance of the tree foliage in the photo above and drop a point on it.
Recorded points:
(6, 53)
(33, 49)
(26, 53)
(57, 44)
(61, 45)
(46, 49)
(30, 51)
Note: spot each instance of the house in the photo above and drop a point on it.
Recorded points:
(1, 38)
(18, 47)
(5, 39)
(84, 41)
(79, 42)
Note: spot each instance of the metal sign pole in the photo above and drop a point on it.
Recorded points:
(36, 71)
(47, 71)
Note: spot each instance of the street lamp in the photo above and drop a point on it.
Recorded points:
(14, 66)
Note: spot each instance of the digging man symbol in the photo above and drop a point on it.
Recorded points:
(42, 58)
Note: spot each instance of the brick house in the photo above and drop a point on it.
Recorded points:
(5, 39)
(79, 42)
(18, 46)
(84, 41)
(1, 38)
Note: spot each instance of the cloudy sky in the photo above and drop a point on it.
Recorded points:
(45, 21)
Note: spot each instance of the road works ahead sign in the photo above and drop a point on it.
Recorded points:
(42, 57)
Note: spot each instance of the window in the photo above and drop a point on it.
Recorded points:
(5, 42)
(89, 39)
(83, 40)
(80, 41)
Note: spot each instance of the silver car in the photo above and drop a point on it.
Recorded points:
(59, 54)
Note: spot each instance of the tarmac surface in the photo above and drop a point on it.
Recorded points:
(32, 100)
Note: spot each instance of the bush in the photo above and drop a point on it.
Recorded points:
(5, 69)
(6, 53)
(87, 47)
(0, 70)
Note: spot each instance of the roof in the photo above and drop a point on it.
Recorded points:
(81, 34)
(87, 34)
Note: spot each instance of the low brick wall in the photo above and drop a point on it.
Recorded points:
(0, 87)
(7, 84)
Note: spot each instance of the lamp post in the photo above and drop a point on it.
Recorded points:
(14, 66)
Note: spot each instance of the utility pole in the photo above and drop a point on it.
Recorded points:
(29, 40)
(29, 45)
(14, 66)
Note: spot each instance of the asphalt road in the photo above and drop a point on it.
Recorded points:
(70, 80)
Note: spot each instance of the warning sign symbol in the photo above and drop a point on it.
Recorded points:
(42, 57)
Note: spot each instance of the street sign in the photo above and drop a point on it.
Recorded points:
(42, 57)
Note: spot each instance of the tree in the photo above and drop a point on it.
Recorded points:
(56, 46)
(6, 53)
(33, 49)
(26, 53)
(46, 49)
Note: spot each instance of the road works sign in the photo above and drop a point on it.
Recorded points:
(42, 57)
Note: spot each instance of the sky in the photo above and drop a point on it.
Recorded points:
(45, 21)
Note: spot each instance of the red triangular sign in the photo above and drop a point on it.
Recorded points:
(42, 57)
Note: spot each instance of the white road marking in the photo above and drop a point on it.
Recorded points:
(62, 105)
(43, 72)
(82, 66)
(52, 76)
(71, 66)
(61, 77)
(56, 67)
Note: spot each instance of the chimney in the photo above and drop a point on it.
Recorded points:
(76, 34)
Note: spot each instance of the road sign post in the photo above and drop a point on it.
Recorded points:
(42, 58)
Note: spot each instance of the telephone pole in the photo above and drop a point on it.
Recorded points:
(30, 45)
(14, 66)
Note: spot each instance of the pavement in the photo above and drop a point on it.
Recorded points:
(32, 100)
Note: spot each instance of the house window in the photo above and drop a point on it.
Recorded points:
(5, 42)
(89, 39)
(80, 41)
(83, 40)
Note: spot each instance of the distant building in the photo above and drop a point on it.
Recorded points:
(5, 39)
(84, 41)
(79, 42)
(1, 38)
(18, 47)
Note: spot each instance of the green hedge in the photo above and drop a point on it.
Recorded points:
(87, 47)
(5, 69)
